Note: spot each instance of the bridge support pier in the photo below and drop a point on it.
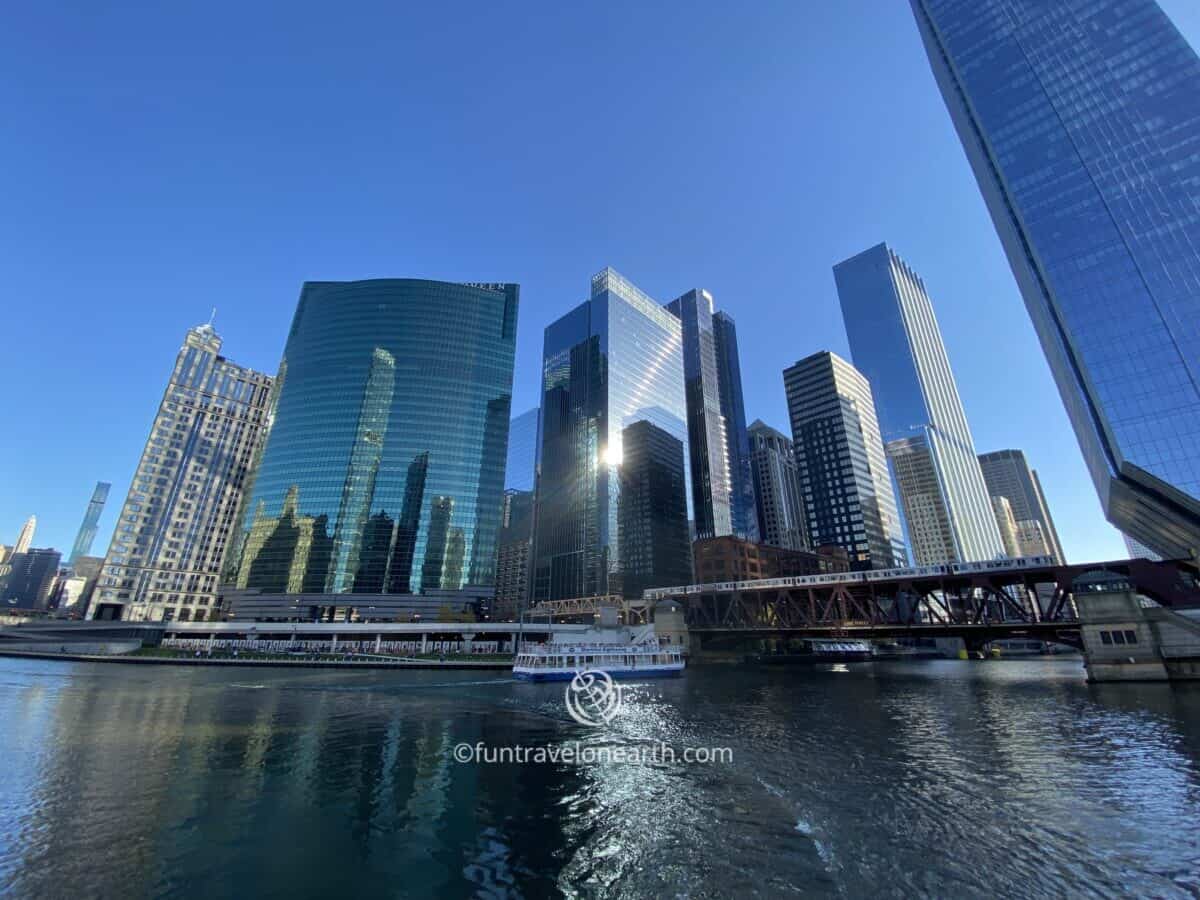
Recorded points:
(1129, 638)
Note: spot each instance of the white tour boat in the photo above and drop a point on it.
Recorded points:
(621, 652)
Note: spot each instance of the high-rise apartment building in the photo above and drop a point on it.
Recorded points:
(1007, 474)
(522, 451)
(383, 473)
(708, 446)
(171, 537)
(848, 494)
(895, 341)
(611, 362)
(1081, 122)
(729, 374)
(777, 490)
(91, 520)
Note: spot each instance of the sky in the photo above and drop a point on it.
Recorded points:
(165, 159)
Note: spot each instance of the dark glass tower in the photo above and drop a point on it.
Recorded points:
(384, 468)
(707, 440)
(1081, 120)
(737, 439)
(90, 524)
(613, 361)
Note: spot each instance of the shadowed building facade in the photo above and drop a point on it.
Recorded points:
(383, 472)
(1081, 121)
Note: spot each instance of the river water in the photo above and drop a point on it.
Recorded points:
(940, 778)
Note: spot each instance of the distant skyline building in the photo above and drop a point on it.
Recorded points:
(896, 343)
(1081, 123)
(930, 532)
(848, 495)
(733, 408)
(25, 537)
(707, 444)
(522, 451)
(782, 521)
(32, 576)
(1007, 473)
(170, 539)
(1007, 525)
(611, 362)
(91, 520)
(383, 473)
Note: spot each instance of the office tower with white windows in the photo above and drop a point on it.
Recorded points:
(848, 494)
(169, 542)
(896, 343)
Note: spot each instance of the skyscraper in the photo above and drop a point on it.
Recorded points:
(522, 451)
(777, 490)
(512, 555)
(848, 493)
(613, 361)
(28, 584)
(896, 343)
(708, 446)
(383, 473)
(1080, 121)
(91, 519)
(25, 538)
(170, 539)
(1007, 525)
(737, 440)
(1007, 474)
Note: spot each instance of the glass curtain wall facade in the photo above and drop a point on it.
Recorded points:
(383, 472)
(613, 361)
(522, 451)
(1081, 121)
(91, 522)
(708, 440)
(895, 341)
(729, 373)
(848, 493)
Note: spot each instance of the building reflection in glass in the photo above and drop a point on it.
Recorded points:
(384, 468)
(613, 361)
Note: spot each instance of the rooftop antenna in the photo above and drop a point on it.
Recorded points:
(213, 316)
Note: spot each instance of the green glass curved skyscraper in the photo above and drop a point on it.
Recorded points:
(384, 469)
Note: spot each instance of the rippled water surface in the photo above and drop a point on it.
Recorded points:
(937, 778)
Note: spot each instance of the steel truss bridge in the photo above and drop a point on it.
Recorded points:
(1030, 597)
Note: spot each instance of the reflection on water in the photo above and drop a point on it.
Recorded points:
(939, 778)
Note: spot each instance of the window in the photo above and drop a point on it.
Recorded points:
(1106, 638)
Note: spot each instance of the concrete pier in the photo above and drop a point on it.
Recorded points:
(1129, 637)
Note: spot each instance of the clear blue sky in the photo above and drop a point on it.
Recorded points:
(161, 159)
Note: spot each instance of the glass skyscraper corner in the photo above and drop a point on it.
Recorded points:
(612, 362)
(896, 343)
(729, 373)
(1081, 121)
(708, 445)
(383, 472)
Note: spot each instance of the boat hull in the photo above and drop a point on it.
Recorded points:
(563, 675)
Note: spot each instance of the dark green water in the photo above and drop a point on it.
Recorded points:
(940, 779)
